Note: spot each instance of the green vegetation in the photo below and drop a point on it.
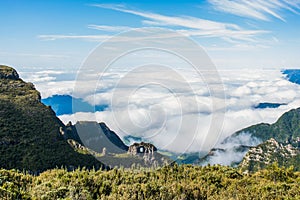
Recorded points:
(171, 182)
(286, 128)
(280, 143)
(271, 151)
(29, 131)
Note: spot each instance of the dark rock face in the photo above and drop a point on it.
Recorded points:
(141, 148)
(97, 136)
(113, 137)
(8, 73)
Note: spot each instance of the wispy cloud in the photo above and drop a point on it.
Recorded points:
(109, 28)
(34, 55)
(259, 9)
(191, 26)
(83, 37)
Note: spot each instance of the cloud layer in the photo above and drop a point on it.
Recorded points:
(171, 120)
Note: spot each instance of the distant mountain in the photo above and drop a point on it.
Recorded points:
(63, 105)
(107, 146)
(30, 133)
(293, 75)
(96, 137)
(268, 105)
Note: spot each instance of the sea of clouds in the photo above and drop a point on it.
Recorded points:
(177, 115)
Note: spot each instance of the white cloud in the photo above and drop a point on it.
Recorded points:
(96, 38)
(170, 122)
(109, 28)
(35, 55)
(258, 9)
(40, 76)
(49, 82)
(231, 155)
(51, 88)
(192, 26)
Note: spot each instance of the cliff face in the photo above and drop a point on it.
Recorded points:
(97, 137)
(30, 136)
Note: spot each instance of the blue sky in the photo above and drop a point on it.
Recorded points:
(236, 34)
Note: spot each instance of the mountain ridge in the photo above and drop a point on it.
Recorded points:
(30, 131)
(285, 133)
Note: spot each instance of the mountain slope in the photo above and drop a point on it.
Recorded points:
(97, 136)
(30, 136)
(271, 151)
(285, 131)
(286, 128)
(280, 142)
(106, 145)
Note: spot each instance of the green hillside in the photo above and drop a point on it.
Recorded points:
(281, 143)
(29, 131)
(260, 145)
(286, 128)
(269, 152)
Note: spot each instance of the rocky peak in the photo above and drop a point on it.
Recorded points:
(146, 150)
(141, 148)
(8, 73)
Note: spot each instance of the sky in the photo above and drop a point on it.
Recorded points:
(60, 34)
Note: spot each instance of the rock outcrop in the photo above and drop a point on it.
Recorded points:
(8, 73)
(141, 148)
(145, 150)
(267, 153)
